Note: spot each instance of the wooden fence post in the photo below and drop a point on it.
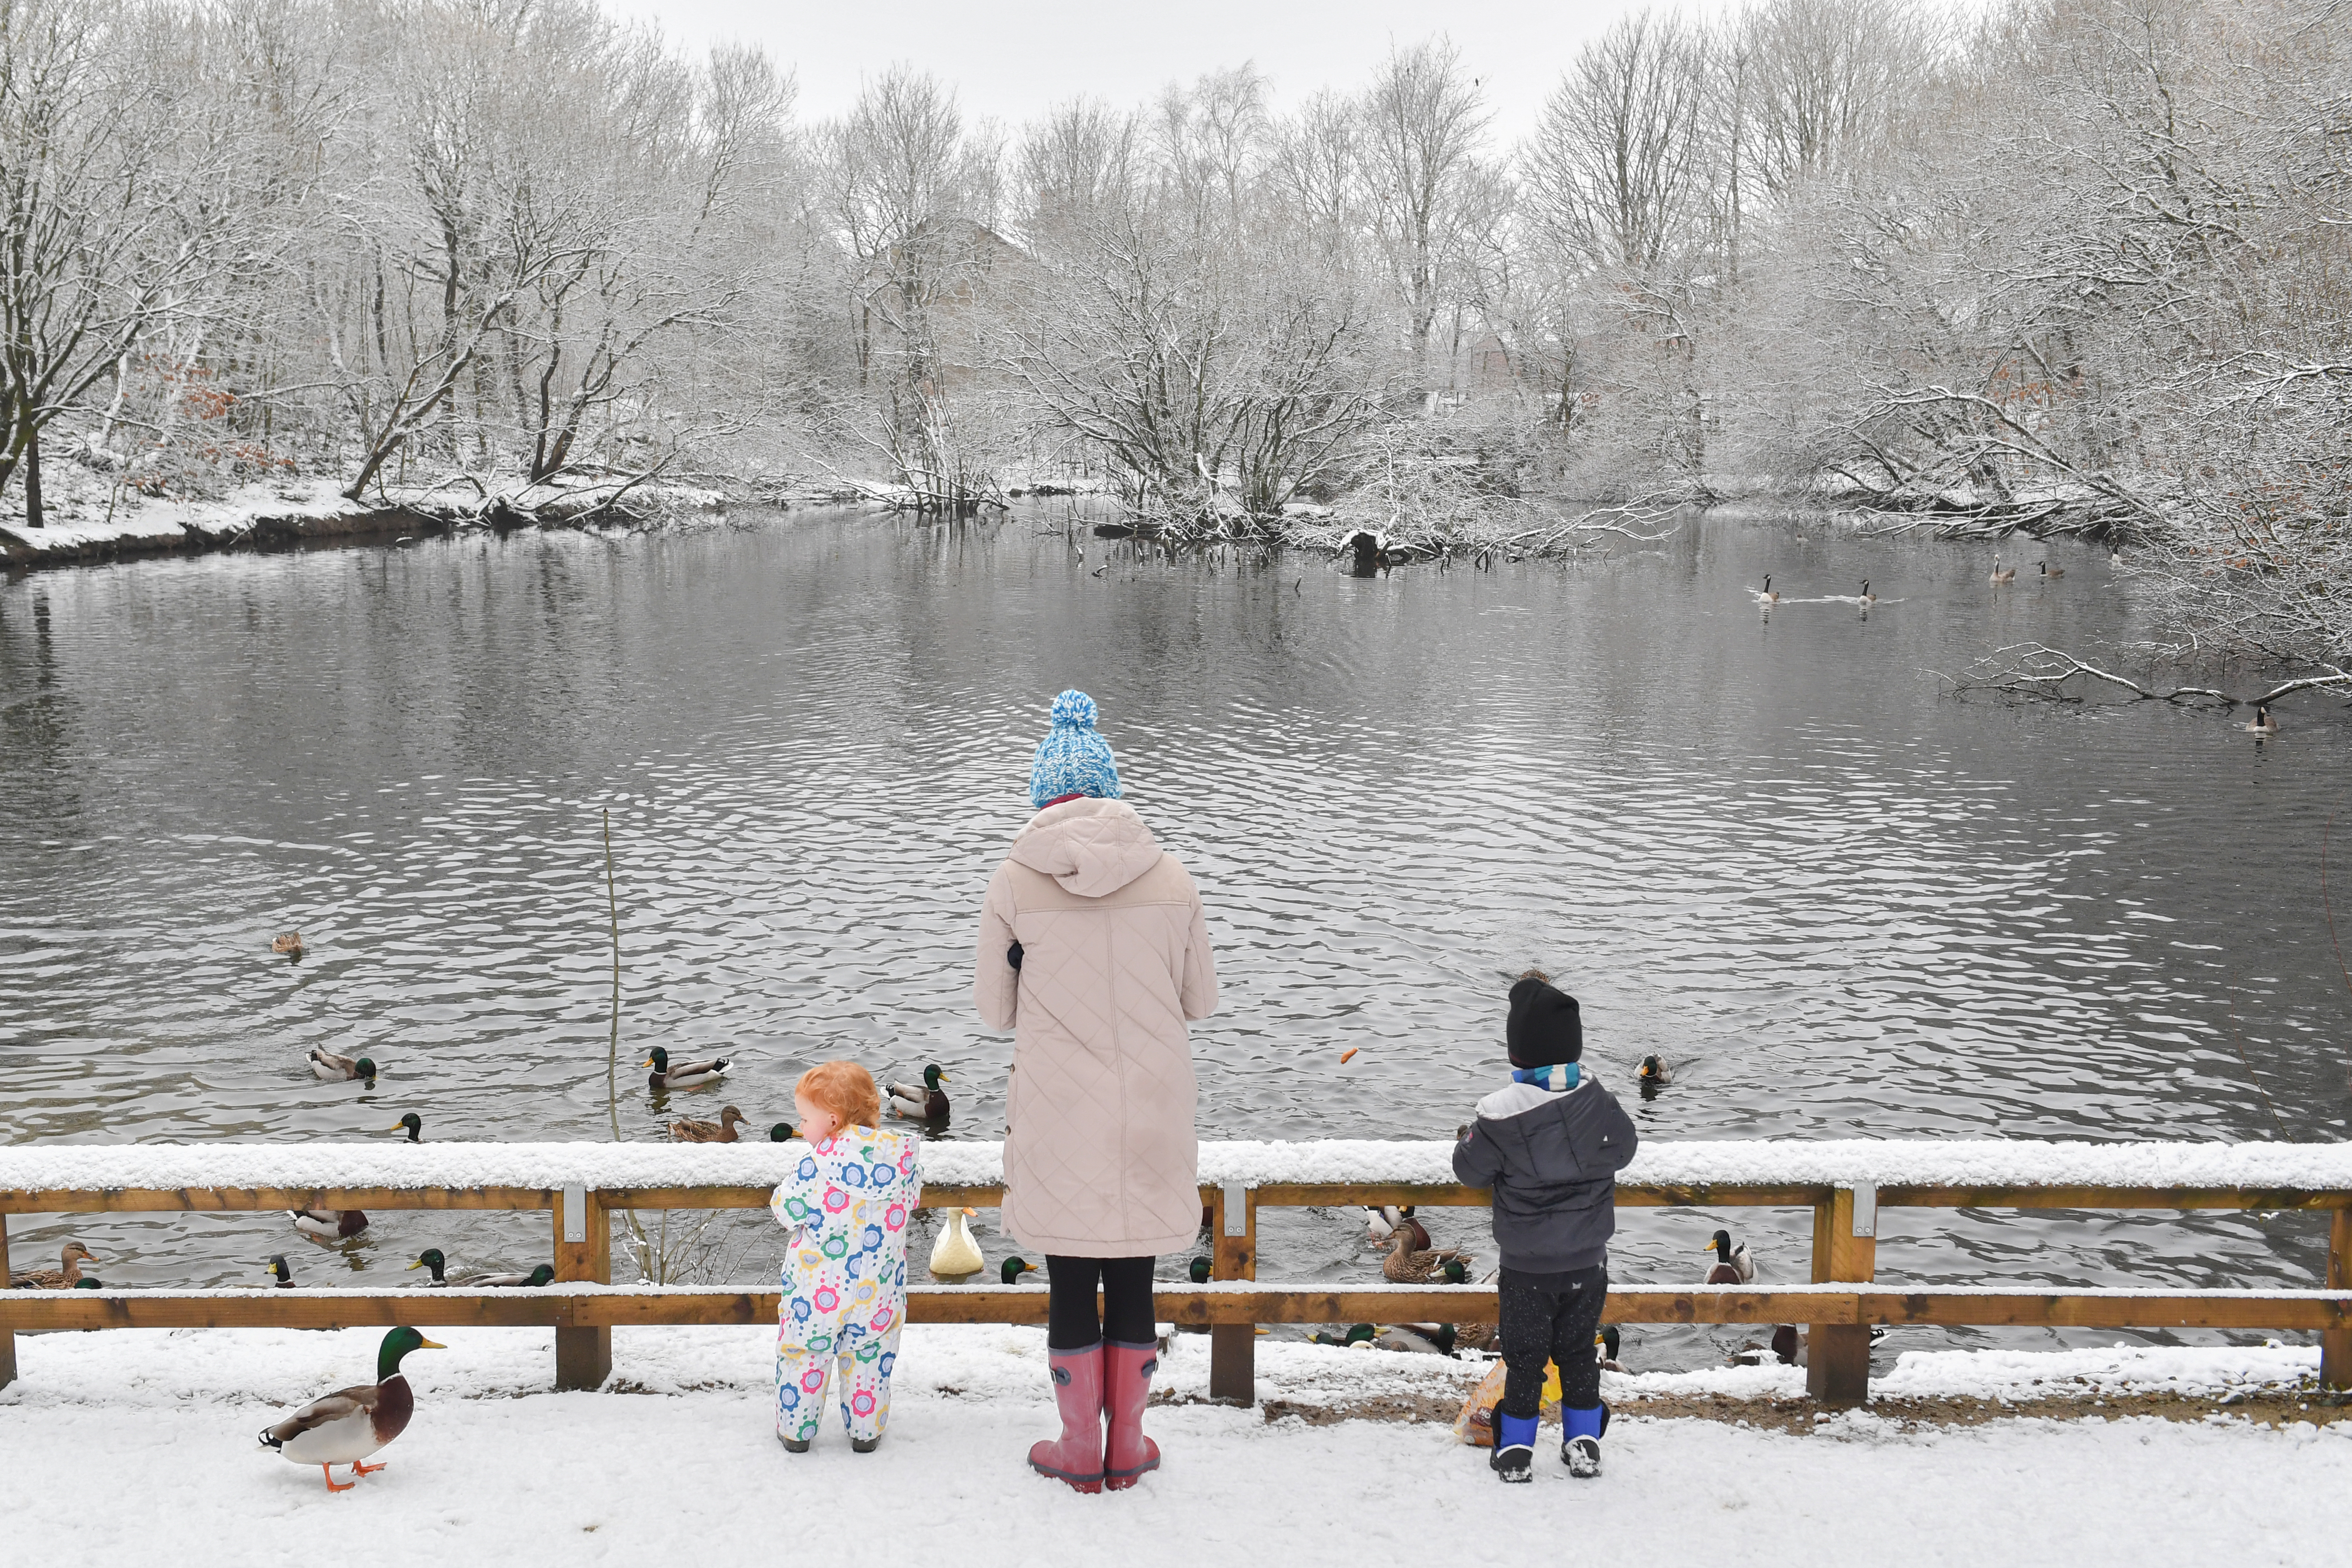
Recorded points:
(2336, 1344)
(1233, 1347)
(583, 1251)
(7, 1336)
(1845, 1247)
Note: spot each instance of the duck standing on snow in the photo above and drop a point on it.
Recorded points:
(347, 1426)
(683, 1075)
(719, 1131)
(928, 1104)
(329, 1068)
(1732, 1265)
(64, 1277)
(328, 1225)
(955, 1256)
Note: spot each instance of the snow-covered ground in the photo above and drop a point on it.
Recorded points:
(117, 1447)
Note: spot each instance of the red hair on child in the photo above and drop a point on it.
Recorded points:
(845, 1089)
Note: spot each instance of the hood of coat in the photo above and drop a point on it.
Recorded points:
(1092, 847)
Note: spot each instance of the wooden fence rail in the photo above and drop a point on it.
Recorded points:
(1839, 1307)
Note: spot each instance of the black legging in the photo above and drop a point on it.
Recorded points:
(1550, 1318)
(1126, 1317)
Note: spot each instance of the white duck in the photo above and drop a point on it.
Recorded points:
(956, 1256)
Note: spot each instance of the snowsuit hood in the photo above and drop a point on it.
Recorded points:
(1092, 847)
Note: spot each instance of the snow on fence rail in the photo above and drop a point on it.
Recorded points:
(1887, 1162)
(1845, 1182)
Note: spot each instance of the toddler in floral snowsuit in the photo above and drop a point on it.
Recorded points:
(844, 1281)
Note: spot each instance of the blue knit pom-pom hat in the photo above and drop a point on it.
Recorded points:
(1072, 759)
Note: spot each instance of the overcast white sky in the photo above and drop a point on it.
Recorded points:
(1012, 61)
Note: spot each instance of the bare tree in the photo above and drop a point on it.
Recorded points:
(1422, 124)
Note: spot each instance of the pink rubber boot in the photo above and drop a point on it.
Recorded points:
(1126, 1384)
(1078, 1458)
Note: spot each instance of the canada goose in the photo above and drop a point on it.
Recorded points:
(685, 1075)
(1765, 595)
(345, 1427)
(2050, 570)
(1868, 598)
(64, 1277)
(2263, 722)
(719, 1131)
(1999, 575)
(1732, 1265)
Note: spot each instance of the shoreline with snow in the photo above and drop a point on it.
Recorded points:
(133, 1438)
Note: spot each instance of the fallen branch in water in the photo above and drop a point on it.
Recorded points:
(2036, 670)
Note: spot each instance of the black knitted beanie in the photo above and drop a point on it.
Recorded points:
(1546, 1026)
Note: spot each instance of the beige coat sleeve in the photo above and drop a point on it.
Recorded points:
(995, 984)
(1199, 993)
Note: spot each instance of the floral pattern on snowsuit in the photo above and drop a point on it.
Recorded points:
(848, 1203)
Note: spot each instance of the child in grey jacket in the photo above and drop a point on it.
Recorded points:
(1550, 1145)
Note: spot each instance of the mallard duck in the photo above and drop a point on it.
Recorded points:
(1199, 1271)
(685, 1075)
(1379, 1223)
(2265, 722)
(1655, 1073)
(411, 1123)
(928, 1104)
(1410, 1221)
(2050, 570)
(719, 1131)
(1867, 597)
(1012, 1268)
(289, 942)
(64, 1277)
(431, 1258)
(1732, 1265)
(1421, 1339)
(347, 1426)
(782, 1133)
(328, 1225)
(1609, 1340)
(1765, 595)
(1357, 1334)
(332, 1068)
(2000, 575)
(1405, 1265)
(955, 1255)
(279, 1274)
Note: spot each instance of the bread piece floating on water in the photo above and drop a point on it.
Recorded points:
(290, 943)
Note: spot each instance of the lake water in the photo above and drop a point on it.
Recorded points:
(1768, 848)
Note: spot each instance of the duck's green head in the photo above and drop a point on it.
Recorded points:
(413, 1125)
(542, 1274)
(1650, 1067)
(90, 1282)
(1444, 1338)
(1015, 1267)
(782, 1133)
(366, 1067)
(1720, 1245)
(1454, 1272)
(277, 1269)
(431, 1258)
(398, 1343)
(658, 1061)
(933, 1076)
(1610, 1340)
(1361, 1334)
(1198, 1271)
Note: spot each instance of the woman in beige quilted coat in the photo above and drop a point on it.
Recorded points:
(1094, 950)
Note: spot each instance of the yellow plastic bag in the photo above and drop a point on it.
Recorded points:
(1475, 1425)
